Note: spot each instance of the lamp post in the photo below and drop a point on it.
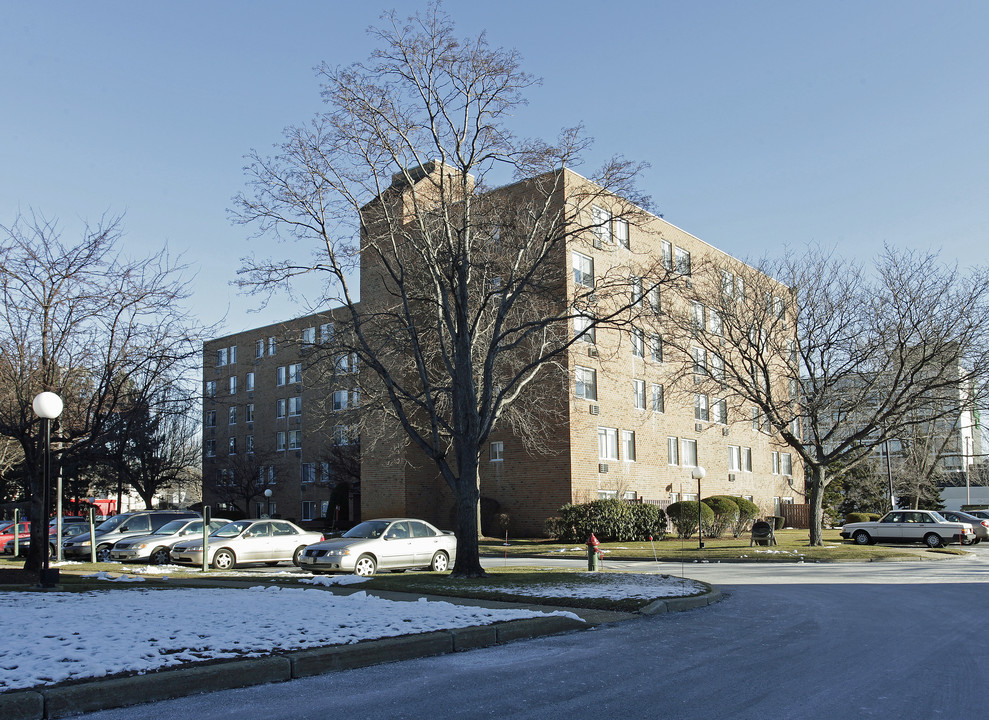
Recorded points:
(47, 406)
(267, 495)
(698, 474)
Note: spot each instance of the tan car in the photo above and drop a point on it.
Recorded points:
(910, 526)
(979, 524)
(248, 541)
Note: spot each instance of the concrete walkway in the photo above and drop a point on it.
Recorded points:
(102, 694)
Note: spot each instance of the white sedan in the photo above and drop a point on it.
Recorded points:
(386, 544)
(910, 526)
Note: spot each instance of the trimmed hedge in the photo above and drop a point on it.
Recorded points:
(683, 515)
(725, 511)
(609, 520)
(854, 517)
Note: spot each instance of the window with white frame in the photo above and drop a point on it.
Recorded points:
(250, 382)
(340, 399)
(210, 388)
(295, 373)
(717, 367)
(673, 451)
(211, 447)
(280, 375)
(701, 408)
(656, 348)
(628, 445)
(747, 459)
(621, 233)
(786, 463)
(719, 411)
(586, 383)
(294, 439)
(249, 444)
(666, 250)
(259, 348)
(601, 220)
(776, 463)
(607, 494)
(233, 354)
(497, 451)
(232, 415)
(688, 452)
(734, 458)
(280, 441)
(221, 357)
(583, 270)
(583, 328)
(655, 302)
(639, 394)
(341, 435)
(638, 343)
(232, 446)
(657, 398)
(700, 363)
(281, 408)
(739, 289)
(355, 398)
(308, 509)
(715, 325)
(211, 418)
(294, 406)
(607, 443)
(326, 332)
(696, 315)
(272, 345)
(682, 261)
(249, 412)
(636, 287)
(233, 384)
(309, 336)
(727, 284)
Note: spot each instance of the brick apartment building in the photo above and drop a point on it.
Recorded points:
(633, 424)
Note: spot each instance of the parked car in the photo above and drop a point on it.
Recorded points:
(984, 514)
(117, 528)
(248, 541)
(980, 525)
(156, 547)
(23, 545)
(386, 544)
(910, 526)
(23, 531)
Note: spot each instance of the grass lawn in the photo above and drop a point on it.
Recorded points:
(793, 547)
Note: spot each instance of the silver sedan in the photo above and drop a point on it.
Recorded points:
(156, 547)
(388, 544)
(248, 541)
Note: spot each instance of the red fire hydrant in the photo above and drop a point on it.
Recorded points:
(593, 554)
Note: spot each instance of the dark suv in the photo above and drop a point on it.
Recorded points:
(118, 527)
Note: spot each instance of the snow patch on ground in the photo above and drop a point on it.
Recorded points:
(611, 586)
(48, 637)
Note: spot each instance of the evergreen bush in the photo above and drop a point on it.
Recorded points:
(683, 515)
(725, 511)
(609, 520)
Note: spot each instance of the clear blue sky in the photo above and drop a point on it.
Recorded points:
(848, 123)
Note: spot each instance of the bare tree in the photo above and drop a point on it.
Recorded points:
(242, 482)
(83, 322)
(465, 309)
(835, 361)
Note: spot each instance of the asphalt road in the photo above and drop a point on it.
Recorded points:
(865, 640)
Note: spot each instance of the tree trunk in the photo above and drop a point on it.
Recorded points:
(468, 500)
(818, 481)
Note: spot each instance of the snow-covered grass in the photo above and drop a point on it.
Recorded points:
(55, 636)
(608, 586)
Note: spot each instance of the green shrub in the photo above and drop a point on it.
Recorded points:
(854, 517)
(683, 515)
(609, 520)
(748, 511)
(725, 511)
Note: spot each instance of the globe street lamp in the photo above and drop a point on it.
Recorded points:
(47, 406)
(698, 474)
(267, 494)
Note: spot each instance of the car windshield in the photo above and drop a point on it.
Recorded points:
(111, 524)
(369, 529)
(232, 529)
(170, 528)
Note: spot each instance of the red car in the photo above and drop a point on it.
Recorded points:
(23, 531)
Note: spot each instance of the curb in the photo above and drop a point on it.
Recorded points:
(660, 607)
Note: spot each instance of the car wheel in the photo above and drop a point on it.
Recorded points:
(297, 555)
(933, 540)
(224, 559)
(51, 551)
(862, 538)
(365, 566)
(440, 563)
(160, 556)
(103, 553)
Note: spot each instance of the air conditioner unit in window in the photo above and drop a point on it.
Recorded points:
(602, 467)
(595, 409)
(597, 243)
(592, 351)
(731, 477)
(698, 427)
(725, 431)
